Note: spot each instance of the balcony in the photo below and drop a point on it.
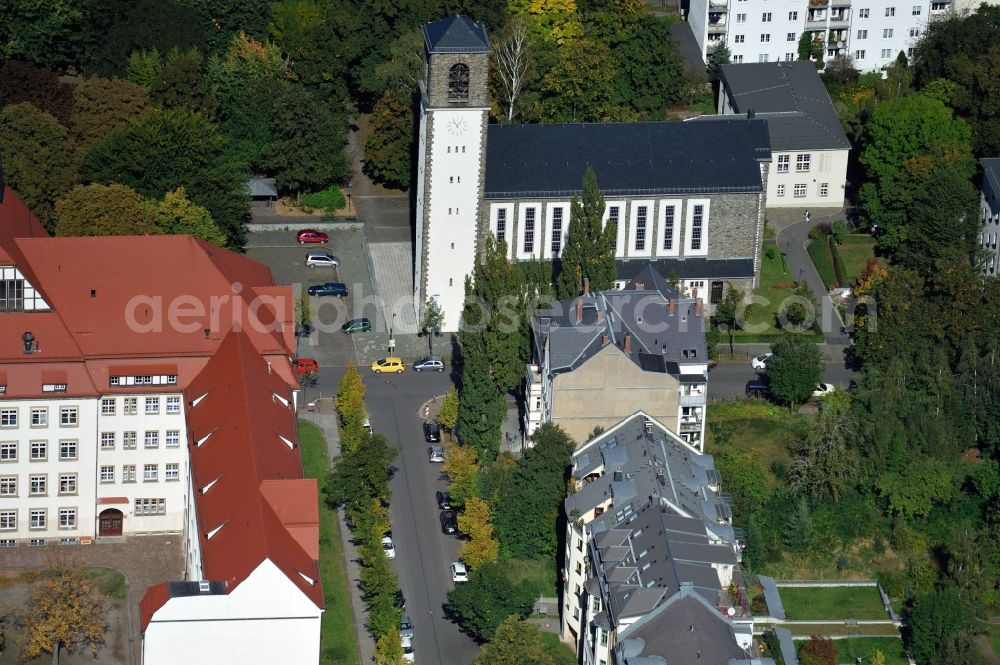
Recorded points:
(693, 399)
(689, 424)
(840, 3)
(717, 21)
(718, 5)
(842, 21)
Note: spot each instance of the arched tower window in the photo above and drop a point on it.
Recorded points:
(458, 83)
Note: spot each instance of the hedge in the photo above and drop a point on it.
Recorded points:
(838, 264)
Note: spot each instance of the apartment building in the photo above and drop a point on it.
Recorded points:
(600, 357)
(989, 206)
(872, 32)
(648, 529)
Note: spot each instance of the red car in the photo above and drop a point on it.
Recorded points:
(312, 237)
(306, 365)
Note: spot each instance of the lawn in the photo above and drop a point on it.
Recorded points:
(765, 429)
(994, 638)
(831, 603)
(540, 573)
(560, 652)
(850, 648)
(338, 640)
(855, 253)
(807, 629)
(819, 252)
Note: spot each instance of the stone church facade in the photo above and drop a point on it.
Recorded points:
(686, 197)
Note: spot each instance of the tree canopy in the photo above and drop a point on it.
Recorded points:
(794, 370)
(589, 252)
(105, 210)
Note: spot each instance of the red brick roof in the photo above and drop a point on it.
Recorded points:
(155, 597)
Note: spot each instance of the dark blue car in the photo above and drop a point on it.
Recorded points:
(328, 289)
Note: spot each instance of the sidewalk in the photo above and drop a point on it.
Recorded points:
(832, 353)
(326, 419)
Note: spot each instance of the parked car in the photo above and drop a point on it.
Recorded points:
(388, 547)
(459, 572)
(311, 236)
(406, 626)
(449, 522)
(390, 364)
(306, 365)
(429, 364)
(432, 432)
(758, 388)
(443, 499)
(328, 289)
(303, 329)
(760, 362)
(824, 389)
(321, 259)
(407, 644)
(356, 326)
(436, 454)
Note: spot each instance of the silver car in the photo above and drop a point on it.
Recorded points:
(436, 454)
(429, 364)
(321, 259)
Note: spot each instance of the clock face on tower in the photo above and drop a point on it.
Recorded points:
(457, 126)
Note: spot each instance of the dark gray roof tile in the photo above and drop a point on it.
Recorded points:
(456, 34)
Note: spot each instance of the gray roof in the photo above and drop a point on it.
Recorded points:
(658, 340)
(686, 44)
(456, 34)
(793, 100)
(686, 630)
(787, 646)
(775, 608)
(631, 159)
(991, 172)
(687, 268)
(262, 187)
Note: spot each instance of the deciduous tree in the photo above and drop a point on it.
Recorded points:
(487, 599)
(46, 33)
(20, 82)
(182, 83)
(64, 612)
(580, 87)
(105, 210)
(818, 650)
(719, 57)
(475, 523)
(350, 402)
(552, 20)
(462, 468)
(794, 370)
(389, 649)
(177, 215)
(431, 322)
(511, 58)
(360, 476)
(389, 146)
(102, 105)
(589, 252)
(515, 642)
(728, 312)
(447, 416)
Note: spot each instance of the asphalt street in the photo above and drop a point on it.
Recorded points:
(729, 380)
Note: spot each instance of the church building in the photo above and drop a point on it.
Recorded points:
(685, 197)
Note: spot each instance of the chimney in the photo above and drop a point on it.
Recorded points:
(639, 286)
(579, 310)
(671, 306)
(586, 286)
(600, 316)
(30, 343)
(628, 344)
(697, 307)
(604, 340)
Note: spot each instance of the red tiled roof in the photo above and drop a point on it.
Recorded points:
(155, 597)
(16, 221)
(296, 505)
(248, 433)
(141, 369)
(24, 381)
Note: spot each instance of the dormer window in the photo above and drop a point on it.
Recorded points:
(458, 83)
(11, 295)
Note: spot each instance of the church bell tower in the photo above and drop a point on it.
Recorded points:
(454, 111)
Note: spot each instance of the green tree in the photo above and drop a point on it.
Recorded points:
(102, 105)
(389, 146)
(182, 83)
(105, 210)
(589, 252)
(476, 524)
(20, 82)
(389, 649)
(550, 20)
(46, 33)
(64, 612)
(580, 87)
(303, 307)
(824, 463)
(934, 620)
(164, 150)
(719, 57)
(360, 476)
(728, 313)
(36, 162)
(913, 491)
(144, 67)
(307, 34)
(431, 322)
(744, 476)
(794, 370)
(350, 402)
(515, 642)
(462, 468)
(447, 416)
(796, 532)
(805, 47)
(480, 605)
(177, 215)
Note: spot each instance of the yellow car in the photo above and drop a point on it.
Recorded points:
(388, 365)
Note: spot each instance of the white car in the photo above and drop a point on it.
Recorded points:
(407, 643)
(436, 454)
(459, 572)
(824, 389)
(322, 259)
(760, 362)
(388, 547)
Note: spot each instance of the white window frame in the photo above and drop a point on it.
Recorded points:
(130, 406)
(68, 443)
(675, 248)
(784, 163)
(39, 416)
(150, 473)
(689, 221)
(765, 17)
(863, 13)
(859, 54)
(793, 16)
(67, 518)
(38, 484)
(69, 416)
(128, 473)
(633, 211)
(620, 239)
(172, 471)
(37, 518)
(107, 473)
(108, 440)
(8, 520)
(803, 162)
(739, 39)
(824, 189)
(862, 34)
(550, 215)
(790, 37)
(108, 406)
(68, 484)
(8, 485)
(5, 451)
(152, 406)
(780, 191)
(890, 12)
(800, 187)
(130, 440)
(151, 438)
(8, 418)
(765, 38)
(174, 404)
(523, 228)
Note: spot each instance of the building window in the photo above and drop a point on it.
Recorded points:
(781, 191)
(557, 224)
(613, 214)
(173, 405)
(458, 83)
(799, 191)
(739, 39)
(914, 32)
(8, 520)
(824, 189)
(107, 406)
(790, 37)
(130, 406)
(862, 34)
(172, 471)
(152, 405)
(887, 33)
(38, 485)
(107, 474)
(668, 228)
(67, 483)
(783, 161)
(8, 451)
(173, 438)
(67, 450)
(890, 11)
(11, 295)
(859, 55)
(793, 16)
(107, 440)
(150, 506)
(128, 473)
(765, 17)
(741, 18)
(150, 472)
(862, 13)
(763, 57)
(128, 440)
(887, 53)
(909, 53)
(697, 222)
(67, 518)
(151, 439)
(802, 163)
(39, 417)
(529, 231)
(69, 416)
(764, 38)
(738, 58)
(916, 10)
(8, 485)
(37, 518)
(501, 225)
(8, 417)
(641, 215)
(604, 637)
(39, 451)
(789, 57)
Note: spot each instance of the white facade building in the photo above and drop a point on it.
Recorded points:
(873, 32)
(989, 206)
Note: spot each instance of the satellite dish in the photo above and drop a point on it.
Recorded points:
(731, 611)
(840, 44)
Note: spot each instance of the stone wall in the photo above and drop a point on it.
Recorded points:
(438, 68)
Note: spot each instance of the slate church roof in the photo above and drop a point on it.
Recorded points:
(631, 159)
(455, 34)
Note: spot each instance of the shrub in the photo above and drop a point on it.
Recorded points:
(840, 231)
(771, 252)
(839, 269)
(818, 650)
(330, 199)
(817, 232)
